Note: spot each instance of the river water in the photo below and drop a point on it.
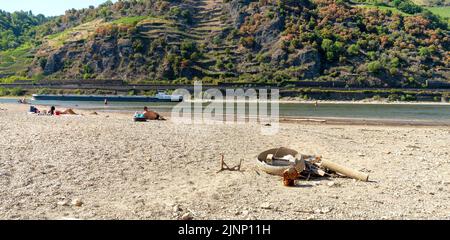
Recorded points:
(410, 112)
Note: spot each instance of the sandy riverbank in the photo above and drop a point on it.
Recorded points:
(159, 170)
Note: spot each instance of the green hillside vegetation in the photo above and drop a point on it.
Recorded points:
(431, 3)
(440, 11)
(130, 20)
(17, 28)
(16, 61)
(439, 8)
(80, 32)
(406, 7)
(385, 9)
(423, 3)
(370, 43)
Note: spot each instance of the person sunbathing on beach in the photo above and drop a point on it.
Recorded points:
(150, 115)
(68, 112)
(65, 112)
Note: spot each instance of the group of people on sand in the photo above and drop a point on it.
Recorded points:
(51, 112)
(145, 115)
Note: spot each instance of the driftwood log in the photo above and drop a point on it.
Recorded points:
(348, 172)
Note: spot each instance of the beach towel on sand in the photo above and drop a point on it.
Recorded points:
(139, 117)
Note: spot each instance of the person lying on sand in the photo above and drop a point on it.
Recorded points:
(150, 115)
(68, 112)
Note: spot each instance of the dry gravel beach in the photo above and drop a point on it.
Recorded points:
(108, 167)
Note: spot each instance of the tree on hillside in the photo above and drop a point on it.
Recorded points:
(17, 28)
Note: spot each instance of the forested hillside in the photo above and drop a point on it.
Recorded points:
(396, 43)
(17, 28)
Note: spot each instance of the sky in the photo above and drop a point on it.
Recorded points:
(46, 7)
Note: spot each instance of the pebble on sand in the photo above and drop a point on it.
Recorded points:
(331, 184)
(266, 206)
(63, 203)
(187, 216)
(77, 203)
(322, 210)
(177, 208)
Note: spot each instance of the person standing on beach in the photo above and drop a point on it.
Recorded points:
(106, 102)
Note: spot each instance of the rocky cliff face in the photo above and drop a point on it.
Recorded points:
(267, 40)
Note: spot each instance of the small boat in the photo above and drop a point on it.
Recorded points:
(276, 161)
(160, 97)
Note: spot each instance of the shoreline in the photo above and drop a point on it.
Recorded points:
(364, 102)
(365, 122)
(345, 121)
(291, 101)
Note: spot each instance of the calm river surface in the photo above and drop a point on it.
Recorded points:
(413, 112)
